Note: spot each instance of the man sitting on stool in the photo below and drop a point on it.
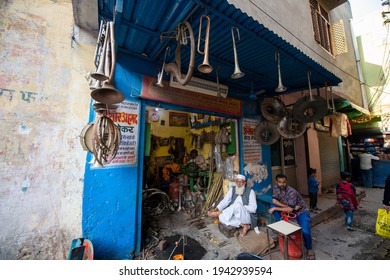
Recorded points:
(287, 199)
(238, 207)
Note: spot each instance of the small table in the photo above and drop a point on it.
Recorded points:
(286, 229)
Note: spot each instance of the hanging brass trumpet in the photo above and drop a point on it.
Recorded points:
(100, 54)
(237, 72)
(107, 93)
(161, 74)
(205, 67)
(280, 87)
(181, 37)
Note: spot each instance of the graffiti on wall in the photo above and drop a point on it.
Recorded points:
(26, 96)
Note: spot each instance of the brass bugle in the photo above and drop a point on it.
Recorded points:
(237, 72)
(205, 67)
(280, 87)
(174, 68)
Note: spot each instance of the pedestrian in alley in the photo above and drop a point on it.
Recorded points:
(287, 199)
(386, 194)
(366, 168)
(346, 197)
(314, 187)
(238, 208)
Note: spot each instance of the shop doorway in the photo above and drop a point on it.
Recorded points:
(187, 157)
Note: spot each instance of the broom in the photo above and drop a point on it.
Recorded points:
(215, 192)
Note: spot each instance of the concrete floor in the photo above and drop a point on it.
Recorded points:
(331, 240)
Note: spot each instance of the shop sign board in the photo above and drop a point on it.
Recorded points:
(127, 119)
(167, 94)
(252, 149)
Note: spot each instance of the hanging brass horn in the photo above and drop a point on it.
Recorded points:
(273, 109)
(266, 133)
(161, 74)
(280, 87)
(205, 67)
(175, 68)
(108, 94)
(291, 128)
(100, 52)
(237, 72)
(310, 108)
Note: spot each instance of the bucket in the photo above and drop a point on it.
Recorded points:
(294, 240)
(178, 257)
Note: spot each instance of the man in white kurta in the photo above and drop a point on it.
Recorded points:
(238, 207)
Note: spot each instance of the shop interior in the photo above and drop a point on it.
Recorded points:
(188, 157)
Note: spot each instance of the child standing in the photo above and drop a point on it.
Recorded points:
(346, 196)
(314, 187)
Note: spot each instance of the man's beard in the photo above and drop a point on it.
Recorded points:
(240, 191)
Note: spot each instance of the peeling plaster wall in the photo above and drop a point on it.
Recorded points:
(44, 105)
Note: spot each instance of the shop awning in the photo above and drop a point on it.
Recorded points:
(140, 24)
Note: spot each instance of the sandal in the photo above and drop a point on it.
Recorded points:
(310, 255)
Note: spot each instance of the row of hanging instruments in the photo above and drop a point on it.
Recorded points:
(184, 33)
(181, 34)
(102, 137)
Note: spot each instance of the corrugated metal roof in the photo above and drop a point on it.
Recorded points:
(140, 23)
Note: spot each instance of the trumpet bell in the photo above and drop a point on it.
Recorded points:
(107, 94)
(205, 68)
(99, 75)
(280, 88)
(237, 73)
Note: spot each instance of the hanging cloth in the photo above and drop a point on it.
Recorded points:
(339, 125)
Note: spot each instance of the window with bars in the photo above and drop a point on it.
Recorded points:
(321, 25)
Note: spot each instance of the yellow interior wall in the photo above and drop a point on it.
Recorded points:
(166, 131)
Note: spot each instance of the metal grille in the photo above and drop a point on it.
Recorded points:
(329, 159)
(314, 4)
(321, 26)
(340, 42)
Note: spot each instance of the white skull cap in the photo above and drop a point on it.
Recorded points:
(240, 177)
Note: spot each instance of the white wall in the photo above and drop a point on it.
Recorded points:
(373, 39)
(291, 20)
(44, 104)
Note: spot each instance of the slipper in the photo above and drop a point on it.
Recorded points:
(310, 255)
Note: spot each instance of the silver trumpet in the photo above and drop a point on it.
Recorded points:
(237, 72)
(280, 87)
(161, 74)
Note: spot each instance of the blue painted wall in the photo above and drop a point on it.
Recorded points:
(112, 195)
